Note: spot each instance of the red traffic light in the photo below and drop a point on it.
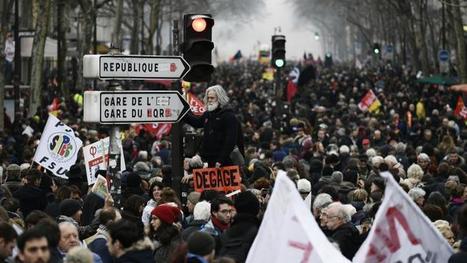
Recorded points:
(199, 24)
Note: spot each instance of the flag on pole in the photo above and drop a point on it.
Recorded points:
(460, 109)
(401, 232)
(58, 147)
(369, 102)
(156, 130)
(196, 105)
(289, 232)
(237, 56)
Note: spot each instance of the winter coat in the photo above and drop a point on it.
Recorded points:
(98, 244)
(140, 252)
(237, 240)
(222, 132)
(348, 238)
(461, 256)
(162, 253)
(31, 198)
(192, 227)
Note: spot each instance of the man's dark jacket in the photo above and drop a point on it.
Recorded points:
(222, 132)
(237, 240)
(31, 198)
(348, 238)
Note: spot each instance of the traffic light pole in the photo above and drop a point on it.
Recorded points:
(113, 166)
(177, 131)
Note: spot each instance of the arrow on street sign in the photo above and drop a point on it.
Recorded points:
(124, 107)
(134, 67)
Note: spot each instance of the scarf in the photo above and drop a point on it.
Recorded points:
(218, 224)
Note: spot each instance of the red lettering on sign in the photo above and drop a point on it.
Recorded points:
(306, 247)
(392, 240)
(149, 113)
(168, 113)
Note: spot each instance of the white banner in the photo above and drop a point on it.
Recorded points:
(289, 232)
(58, 147)
(96, 157)
(401, 232)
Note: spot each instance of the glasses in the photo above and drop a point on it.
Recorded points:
(35, 249)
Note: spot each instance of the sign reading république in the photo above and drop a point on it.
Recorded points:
(134, 67)
(224, 179)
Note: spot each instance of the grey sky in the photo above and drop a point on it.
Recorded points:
(228, 39)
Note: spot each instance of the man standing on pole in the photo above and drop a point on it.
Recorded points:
(223, 138)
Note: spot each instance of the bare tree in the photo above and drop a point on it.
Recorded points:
(38, 55)
(6, 8)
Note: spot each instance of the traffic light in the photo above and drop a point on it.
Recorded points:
(376, 49)
(278, 51)
(197, 46)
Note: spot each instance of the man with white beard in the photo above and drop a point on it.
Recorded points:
(223, 138)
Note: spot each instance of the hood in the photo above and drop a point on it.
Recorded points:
(141, 251)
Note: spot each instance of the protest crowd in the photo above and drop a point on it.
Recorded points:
(332, 131)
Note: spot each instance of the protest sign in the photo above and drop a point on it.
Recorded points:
(96, 157)
(289, 232)
(224, 179)
(401, 232)
(58, 147)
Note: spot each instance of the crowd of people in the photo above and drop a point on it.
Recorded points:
(332, 150)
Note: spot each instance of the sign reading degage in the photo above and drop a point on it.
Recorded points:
(139, 107)
(224, 179)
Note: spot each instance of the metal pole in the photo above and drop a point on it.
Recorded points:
(113, 170)
(17, 75)
(443, 30)
(177, 131)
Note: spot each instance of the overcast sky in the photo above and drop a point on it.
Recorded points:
(228, 39)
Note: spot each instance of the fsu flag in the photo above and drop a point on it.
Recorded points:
(369, 102)
(401, 232)
(460, 109)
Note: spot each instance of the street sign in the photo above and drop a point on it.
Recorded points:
(134, 67)
(443, 55)
(124, 107)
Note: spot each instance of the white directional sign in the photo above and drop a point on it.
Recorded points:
(134, 67)
(111, 107)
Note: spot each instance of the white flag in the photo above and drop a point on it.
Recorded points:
(58, 147)
(94, 158)
(289, 232)
(401, 232)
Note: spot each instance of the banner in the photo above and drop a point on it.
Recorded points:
(58, 147)
(289, 232)
(196, 105)
(369, 102)
(401, 232)
(224, 179)
(96, 157)
(156, 130)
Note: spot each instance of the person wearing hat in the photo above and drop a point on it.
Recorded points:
(71, 211)
(237, 240)
(165, 230)
(200, 248)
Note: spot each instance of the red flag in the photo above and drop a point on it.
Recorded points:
(460, 109)
(157, 130)
(291, 90)
(197, 106)
(55, 105)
